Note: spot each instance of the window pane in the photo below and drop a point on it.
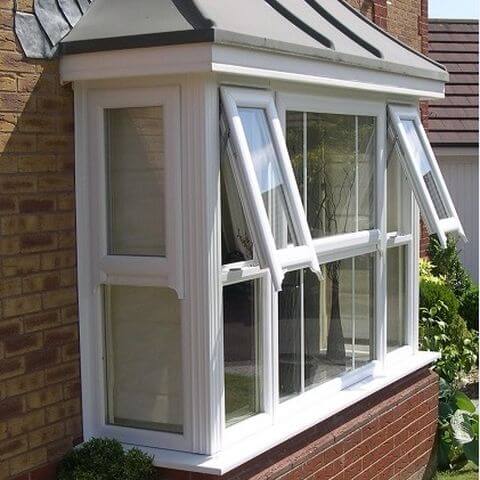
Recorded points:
(339, 317)
(144, 361)
(399, 194)
(237, 244)
(242, 366)
(268, 173)
(136, 181)
(396, 297)
(422, 164)
(334, 163)
(289, 335)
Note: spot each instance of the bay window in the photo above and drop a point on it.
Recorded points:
(294, 261)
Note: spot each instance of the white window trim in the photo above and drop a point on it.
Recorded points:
(99, 269)
(278, 261)
(398, 113)
(137, 270)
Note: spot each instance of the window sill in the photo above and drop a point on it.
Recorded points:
(268, 438)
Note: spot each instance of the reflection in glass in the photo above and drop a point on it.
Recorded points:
(333, 157)
(143, 358)
(289, 335)
(396, 298)
(237, 244)
(423, 166)
(135, 181)
(269, 176)
(242, 365)
(338, 317)
(399, 194)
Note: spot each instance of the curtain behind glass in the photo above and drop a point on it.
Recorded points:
(136, 181)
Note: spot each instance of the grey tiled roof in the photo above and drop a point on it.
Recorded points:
(454, 119)
(40, 32)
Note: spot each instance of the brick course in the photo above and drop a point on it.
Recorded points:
(39, 369)
(39, 409)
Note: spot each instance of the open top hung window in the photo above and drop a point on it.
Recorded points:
(266, 183)
(423, 172)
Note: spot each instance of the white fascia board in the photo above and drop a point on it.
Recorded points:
(243, 62)
(137, 62)
(395, 369)
(312, 71)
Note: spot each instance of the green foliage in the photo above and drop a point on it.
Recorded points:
(432, 293)
(426, 272)
(469, 308)
(458, 429)
(105, 459)
(446, 263)
(448, 334)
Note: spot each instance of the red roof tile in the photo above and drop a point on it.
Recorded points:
(454, 120)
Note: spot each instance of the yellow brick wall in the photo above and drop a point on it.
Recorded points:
(39, 367)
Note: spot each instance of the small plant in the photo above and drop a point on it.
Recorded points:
(446, 263)
(458, 429)
(432, 293)
(469, 308)
(105, 459)
(448, 334)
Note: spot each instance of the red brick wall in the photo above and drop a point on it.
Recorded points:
(39, 368)
(389, 436)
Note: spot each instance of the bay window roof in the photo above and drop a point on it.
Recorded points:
(325, 29)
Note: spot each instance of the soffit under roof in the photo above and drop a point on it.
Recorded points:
(327, 29)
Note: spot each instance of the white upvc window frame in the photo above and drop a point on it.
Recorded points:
(128, 269)
(344, 245)
(104, 269)
(278, 261)
(397, 114)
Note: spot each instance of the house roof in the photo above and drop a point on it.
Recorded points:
(331, 30)
(453, 121)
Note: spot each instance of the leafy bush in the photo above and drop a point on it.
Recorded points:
(447, 264)
(469, 308)
(431, 293)
(448, 334)
(105, 459)
(426, 272)
(457, 428)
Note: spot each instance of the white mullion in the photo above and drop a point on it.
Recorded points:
(302, 331)
(356, 174)
(354, 320)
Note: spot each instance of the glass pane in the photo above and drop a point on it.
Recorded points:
(144, 358)
(289, 335)
(423, 166)
(399, 195)
(268, 173)
(339, 317)
(334, 163)
(136, 181)
(396, 297)
(243, 371)
(237, 244)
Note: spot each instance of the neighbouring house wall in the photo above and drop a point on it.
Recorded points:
(388, 436)
(39, 366)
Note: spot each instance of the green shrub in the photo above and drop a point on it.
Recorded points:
(105, 459)
(457, 429)
(431, 293)
(446, 263)
(469, 308)
(448, 334)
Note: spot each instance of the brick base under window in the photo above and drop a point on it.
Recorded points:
(388, 436)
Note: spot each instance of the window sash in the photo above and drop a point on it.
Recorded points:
(398, 114)
(276, 260)
(128, 269)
